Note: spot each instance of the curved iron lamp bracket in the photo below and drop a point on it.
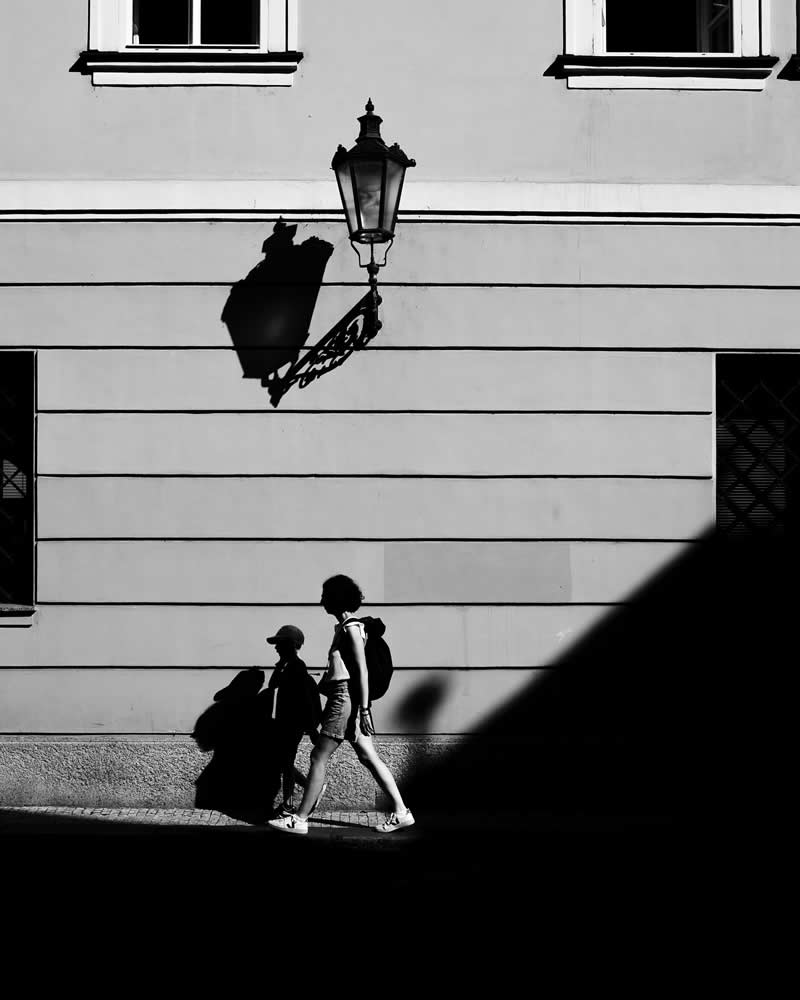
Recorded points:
(352, 333)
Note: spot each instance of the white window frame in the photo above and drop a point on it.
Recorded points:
(271, 62)
(585, 36)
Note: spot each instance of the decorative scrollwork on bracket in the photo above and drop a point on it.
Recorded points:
(352, 333)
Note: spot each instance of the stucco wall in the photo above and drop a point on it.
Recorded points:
(502, 467)
(460, 85)
(498, 471)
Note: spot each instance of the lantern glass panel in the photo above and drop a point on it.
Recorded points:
(348, 199)
(369, 181)
(394, 182)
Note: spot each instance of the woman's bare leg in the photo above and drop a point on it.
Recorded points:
(368, 755)
(323, 751)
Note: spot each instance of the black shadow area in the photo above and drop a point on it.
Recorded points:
(268, 313)
(652, 747)
(243, 775)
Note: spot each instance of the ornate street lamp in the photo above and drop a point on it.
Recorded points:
(370, 178)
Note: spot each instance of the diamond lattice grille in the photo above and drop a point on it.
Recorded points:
(16, 478)
(758, 444)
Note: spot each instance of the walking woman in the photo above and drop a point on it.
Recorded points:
(347, 714)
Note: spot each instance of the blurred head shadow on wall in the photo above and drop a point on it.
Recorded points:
(416, 710)
(268, 313)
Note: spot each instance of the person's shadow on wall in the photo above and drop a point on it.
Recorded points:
(243, 776)
(268, 313)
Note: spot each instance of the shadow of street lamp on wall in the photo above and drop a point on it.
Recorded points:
(370, 177)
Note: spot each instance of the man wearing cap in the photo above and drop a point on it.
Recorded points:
(295, 706)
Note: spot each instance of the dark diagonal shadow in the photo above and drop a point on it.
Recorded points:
(648, 729)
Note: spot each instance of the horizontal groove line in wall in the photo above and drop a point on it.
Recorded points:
(624, 286)
(258, 216)
(419, 348)
(121, 737)
(663, 221)
(458, 215)
(153, 218)
(373, 539)
(476, 413)
(338, 475)
(315, 604)
(335, 213)
(246, 666)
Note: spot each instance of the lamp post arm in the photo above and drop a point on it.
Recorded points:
(352, 333)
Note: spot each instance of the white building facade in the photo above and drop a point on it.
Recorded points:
(602, 207)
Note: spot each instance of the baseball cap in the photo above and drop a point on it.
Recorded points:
(290, 632)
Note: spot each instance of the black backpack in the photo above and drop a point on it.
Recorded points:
(378, 657)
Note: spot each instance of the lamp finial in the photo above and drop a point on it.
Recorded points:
(370, 124)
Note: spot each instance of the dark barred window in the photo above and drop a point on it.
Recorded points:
(677, 26)
(16, 478)
(758, 444)
(196, 22)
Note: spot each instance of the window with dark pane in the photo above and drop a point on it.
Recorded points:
(758, 444)
(676, 26)
(229, 22)
(162, 22)
(16, 477)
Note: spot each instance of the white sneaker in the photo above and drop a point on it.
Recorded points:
(395, 822)
(289, 824)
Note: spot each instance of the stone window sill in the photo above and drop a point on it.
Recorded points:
(199, 67)
(667, 72)
(16, 615)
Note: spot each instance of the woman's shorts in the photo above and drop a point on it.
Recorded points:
(339, 714)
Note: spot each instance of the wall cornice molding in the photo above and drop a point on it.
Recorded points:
(446, 201)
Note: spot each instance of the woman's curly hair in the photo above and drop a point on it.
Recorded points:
(343, 591)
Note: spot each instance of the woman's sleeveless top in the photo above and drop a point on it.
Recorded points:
(339, 656)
